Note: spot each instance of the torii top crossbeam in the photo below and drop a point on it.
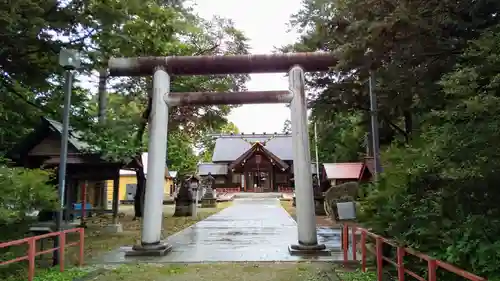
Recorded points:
(232, 64)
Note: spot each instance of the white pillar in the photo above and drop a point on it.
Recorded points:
(157, 155)
(306, 218)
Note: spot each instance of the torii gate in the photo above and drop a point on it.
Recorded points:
(162, 67)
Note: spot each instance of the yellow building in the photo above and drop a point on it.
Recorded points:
(128, 183)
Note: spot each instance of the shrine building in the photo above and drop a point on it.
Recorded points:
(252, 163)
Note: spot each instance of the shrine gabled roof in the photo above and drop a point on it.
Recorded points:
(228, 148)
(255, 147)
(45, 127)
(74, 135)
(48, 126)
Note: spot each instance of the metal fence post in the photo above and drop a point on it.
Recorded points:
(81, 246)
(31, 258)
(379, 255)
(62, 244)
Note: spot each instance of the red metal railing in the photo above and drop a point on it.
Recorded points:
(32, 252)
(432, 264)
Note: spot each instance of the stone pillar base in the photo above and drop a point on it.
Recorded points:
(314, 250)
(113, 228)
(156, 250)
(208, 203)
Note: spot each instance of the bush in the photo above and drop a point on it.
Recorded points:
(440, 193)
(440, 196)
(23, 191)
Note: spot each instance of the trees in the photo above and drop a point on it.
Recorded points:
(31, 78)
(207, 142)
(24, 191)
(435, 66)
(157, 30)
(408, 57)
(340, 137)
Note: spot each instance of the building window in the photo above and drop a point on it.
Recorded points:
(220, 180)
(236, 178)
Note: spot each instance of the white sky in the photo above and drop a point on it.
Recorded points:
(264, 22)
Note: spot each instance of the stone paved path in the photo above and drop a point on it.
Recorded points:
(256, 229)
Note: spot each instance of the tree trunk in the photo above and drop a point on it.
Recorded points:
(140, 192)
(140, 175)
(408, 119)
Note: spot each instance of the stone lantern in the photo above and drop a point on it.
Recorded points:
(209, 200)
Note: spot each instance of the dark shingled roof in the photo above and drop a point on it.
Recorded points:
(45, 127)
(229, 147)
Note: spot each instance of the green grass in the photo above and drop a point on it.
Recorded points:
(357, 275)
(223, 271)
(53, 274)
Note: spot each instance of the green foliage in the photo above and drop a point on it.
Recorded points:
(181, 154)
(439, 193)
(31, 83)
(31, 80)
(340, 138)
(435, 66)
(207, 142)
(23, 191)
(174, 32)
(111, 142)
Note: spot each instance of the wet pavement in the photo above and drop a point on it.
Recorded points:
(252, 229)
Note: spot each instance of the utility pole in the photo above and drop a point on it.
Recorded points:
(374, 121)
(373, 114)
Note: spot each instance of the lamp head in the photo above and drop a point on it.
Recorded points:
(69, 59)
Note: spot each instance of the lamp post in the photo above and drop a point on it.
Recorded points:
(69, 60)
